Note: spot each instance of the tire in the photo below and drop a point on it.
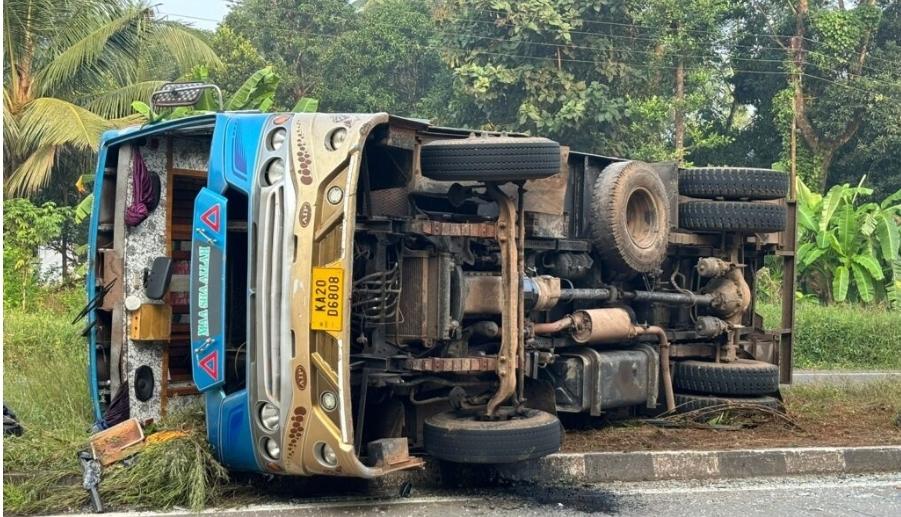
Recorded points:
(743, 377)
(732, 216)
(686, 402)
(733, 183)
(491, 158)
(463, 439)
(11, 426)
(630, 217)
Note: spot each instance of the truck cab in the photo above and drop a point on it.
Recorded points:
(351, 294)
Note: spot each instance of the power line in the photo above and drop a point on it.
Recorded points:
(595, 62)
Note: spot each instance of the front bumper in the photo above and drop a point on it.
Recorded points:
(296, 227)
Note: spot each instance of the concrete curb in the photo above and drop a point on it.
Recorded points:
(596, 467)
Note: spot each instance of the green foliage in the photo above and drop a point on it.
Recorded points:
(842, 336)
(57, 417)
(257, 92)
(852, 247)
(71, 67)
(26, 228)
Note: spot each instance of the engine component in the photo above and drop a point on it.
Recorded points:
(572, 266)
(585, 379)
(375, 297)
(731, 295)
(710, 326)
(611, 294)
(602, 326)
(613, 325)
(432, 307)
(453, 364)
(630, 219)
(711, 267)
(484, 293)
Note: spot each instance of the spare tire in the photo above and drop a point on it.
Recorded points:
(466, 439)
(742, 377)
(732, 216)
(490, 158)
(630, 217)
(733, 183)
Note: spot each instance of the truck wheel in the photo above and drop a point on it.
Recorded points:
(686, 402)
(465, 439)
(732, 216)
(490, 158)
(733, 183)
(630, 217)
(742, 377)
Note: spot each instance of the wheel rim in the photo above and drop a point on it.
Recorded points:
(641, 218)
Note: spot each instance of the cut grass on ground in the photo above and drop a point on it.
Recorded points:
(851, 415)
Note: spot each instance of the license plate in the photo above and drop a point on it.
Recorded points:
(327, 299)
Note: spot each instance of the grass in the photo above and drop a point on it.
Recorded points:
(45, 383)
(842, 336)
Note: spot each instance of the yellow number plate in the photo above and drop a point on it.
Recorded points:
(327, 299)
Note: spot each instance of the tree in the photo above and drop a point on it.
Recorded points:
(73, 66)
(388, 61)
(26, 228)
(239, 59)
(297, 38)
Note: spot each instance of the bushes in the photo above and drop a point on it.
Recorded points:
(842, 336)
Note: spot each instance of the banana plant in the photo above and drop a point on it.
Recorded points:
(854, 248)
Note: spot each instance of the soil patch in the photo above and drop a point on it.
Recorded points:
(823, 416)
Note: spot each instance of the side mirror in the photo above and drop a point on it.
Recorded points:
(156, 279)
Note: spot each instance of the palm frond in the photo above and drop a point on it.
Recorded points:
(33, 174)
(86, 54)
(48, 122)
(116, 103)
(183, 46)
(10, 124)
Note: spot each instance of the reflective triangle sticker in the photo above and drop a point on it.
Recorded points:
(211, 218)
(210, 364)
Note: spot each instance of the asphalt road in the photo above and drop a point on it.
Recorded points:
(870, 495)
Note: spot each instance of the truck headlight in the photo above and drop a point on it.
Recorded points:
(277, 138)
(275, 171)
(272, 448)
(269, 417)
(328, 400)
(326, 455)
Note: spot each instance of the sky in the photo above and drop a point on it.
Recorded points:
(203, 14)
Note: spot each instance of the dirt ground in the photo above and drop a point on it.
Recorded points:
(816, 416)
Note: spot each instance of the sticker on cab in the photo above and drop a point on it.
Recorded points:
(326, 299)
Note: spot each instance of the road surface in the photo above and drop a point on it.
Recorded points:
(870, 495)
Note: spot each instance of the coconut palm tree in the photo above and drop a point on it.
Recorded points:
(71, 70)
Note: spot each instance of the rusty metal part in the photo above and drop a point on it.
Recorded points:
(553, 327)
(664, 364)
(710, 326)
(604, 294)
(483, 294)
(731, 295)
(595, 326)
(429, 227)
(612, 325)
(548, 292)
(511, 326)
(453, 364)
(712, 267)
(388, 451)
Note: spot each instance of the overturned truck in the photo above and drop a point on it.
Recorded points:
(344, 292)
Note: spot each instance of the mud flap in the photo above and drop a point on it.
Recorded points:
(207, 290)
